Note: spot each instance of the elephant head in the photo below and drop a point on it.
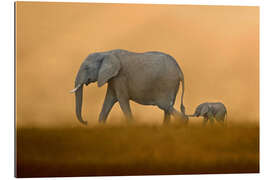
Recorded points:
(100, 67)
(201, 110)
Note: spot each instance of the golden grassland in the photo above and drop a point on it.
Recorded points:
(137, 149)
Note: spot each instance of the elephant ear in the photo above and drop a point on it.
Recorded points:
(109, 68)
(204, 109)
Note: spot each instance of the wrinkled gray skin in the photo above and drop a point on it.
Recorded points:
(150, 78)
(211, 111)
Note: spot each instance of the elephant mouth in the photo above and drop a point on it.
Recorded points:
(88, 82)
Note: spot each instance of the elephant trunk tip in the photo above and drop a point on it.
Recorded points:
(82, 121)
(183, 109)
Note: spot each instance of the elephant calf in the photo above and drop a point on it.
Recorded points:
(211, 111)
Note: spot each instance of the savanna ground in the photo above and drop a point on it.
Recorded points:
(137, 149)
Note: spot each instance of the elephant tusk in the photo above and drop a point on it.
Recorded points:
(75, 89)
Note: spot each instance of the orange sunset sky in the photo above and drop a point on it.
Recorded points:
(217, 48)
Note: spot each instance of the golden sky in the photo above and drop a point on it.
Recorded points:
(217, 48)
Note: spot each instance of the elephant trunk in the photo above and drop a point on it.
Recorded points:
(79, 95)
(182, 107)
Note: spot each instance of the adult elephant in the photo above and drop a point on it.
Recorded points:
(150, 78)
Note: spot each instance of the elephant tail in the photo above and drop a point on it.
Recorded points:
(225, 119)
(182, 107)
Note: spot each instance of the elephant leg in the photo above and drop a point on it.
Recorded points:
(125, 106)
(220, 118)
(109, 101)
(167, 117)
(178, 115)
(205, 120)
(220, 121)
(211, 119)
(121, 92)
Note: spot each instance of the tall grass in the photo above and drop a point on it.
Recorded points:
(137, 150)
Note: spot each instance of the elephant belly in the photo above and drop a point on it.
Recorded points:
(154, 95)
(144, 102)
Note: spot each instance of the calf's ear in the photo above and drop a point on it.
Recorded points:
(204, 109)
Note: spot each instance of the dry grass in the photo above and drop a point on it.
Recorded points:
(137, 150)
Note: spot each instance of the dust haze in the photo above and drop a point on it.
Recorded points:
(217, 47)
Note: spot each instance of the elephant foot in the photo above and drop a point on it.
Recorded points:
(102, 121)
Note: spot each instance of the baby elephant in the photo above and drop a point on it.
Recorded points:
(211, 111)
